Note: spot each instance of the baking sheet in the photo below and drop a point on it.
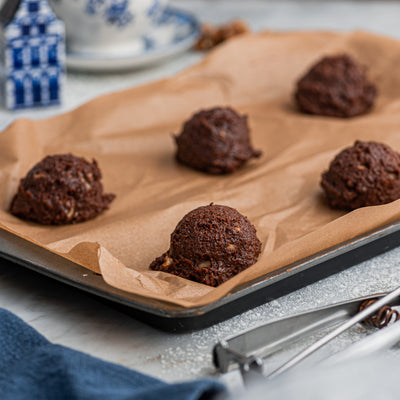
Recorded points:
(173, 318)
(129, 133)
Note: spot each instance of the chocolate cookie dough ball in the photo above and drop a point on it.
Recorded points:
(61, 189)
(366, 174)
(336, 86)
(215, 141)
(210, 245)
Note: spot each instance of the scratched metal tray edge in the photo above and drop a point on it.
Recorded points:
(29, 255)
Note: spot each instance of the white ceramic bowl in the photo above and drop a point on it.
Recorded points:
(107, 26)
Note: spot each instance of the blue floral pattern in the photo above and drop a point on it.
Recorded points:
(117, 13)
(114, 12)
(155, 11)
(93, 6)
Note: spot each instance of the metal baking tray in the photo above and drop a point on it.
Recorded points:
(173, 318)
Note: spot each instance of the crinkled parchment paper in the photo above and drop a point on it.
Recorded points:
(130, 134)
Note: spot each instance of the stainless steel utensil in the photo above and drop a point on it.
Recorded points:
(247, 350)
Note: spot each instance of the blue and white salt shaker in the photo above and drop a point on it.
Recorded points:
(32, 54)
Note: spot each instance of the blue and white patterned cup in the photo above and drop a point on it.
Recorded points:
(107, 26)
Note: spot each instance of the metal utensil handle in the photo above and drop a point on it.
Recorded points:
(382, 339)
(266, 339)
(337, 331)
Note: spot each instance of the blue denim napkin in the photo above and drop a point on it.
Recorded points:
(32, 368)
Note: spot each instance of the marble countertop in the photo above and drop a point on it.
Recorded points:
(72, 318)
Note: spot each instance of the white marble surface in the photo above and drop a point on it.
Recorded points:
(69, 317)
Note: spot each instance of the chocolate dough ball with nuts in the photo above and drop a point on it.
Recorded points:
(61, 189)
(366, 174)
(336, 86)
(215, 141)
(210, 245)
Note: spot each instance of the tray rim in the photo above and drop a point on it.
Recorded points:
(96, 285)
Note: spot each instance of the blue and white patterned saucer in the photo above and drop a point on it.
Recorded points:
(176, 32)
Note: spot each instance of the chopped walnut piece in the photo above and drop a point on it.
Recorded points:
(204, 264)
(212, 36)
(71, 213)
(168, 261)
(231, 248)
(234, 28)
(207, 38)
(39, 175)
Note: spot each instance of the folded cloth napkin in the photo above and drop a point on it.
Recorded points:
(32, 368)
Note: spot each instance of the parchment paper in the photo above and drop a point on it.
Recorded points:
(130, 134)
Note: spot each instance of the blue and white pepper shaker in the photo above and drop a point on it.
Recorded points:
(32, 54)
